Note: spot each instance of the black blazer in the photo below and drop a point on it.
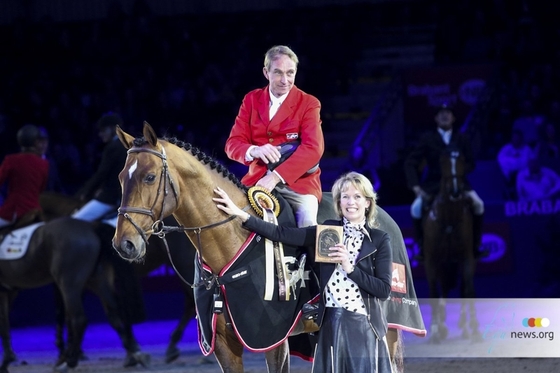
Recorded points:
(429, 150)
(372, 272)
(104, 185)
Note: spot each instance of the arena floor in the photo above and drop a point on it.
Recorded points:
(36, 353)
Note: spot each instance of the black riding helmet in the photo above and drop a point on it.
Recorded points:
(28, 134)
(109, 119)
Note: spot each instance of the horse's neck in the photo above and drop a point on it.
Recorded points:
(216, 238)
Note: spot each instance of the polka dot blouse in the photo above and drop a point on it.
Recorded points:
(341, 291)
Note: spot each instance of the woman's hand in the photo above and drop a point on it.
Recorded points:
(342, 256)
(225, 204)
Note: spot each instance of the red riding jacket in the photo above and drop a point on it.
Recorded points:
(297, 118)
(26, 175)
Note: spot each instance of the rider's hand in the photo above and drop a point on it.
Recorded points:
(269, 181)
(267, 153)
(226, 204)
(419, 192)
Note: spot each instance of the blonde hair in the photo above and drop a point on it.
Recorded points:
(361, 183)
(277, 50)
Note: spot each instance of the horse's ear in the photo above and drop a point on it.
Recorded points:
(125, 138)
(150, 134)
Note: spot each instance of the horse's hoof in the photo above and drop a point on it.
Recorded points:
(465, 334)
(444, 332)
(205, 361)
(82, 356)
(476, 337)
(8, 359)
(434, 340)
(136, 358)
(61, 368)
(172, 354)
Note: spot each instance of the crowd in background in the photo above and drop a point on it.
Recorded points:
(187, 74)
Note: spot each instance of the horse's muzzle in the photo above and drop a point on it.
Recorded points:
(128, 251)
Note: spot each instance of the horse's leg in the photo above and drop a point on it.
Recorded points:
(442, 311)
(434, 322)
(463, 320)
(228, 350)
(278, 359)
(76, 320)
(60, 321)
(432, 269)
(189, 311)
(469, 295)
(392, 342)
(476, 336)
(102, 285)
(6, 298)
(395, 343)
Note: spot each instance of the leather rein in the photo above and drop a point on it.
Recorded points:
(158, 227)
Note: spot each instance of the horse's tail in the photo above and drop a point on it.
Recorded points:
(398, 357)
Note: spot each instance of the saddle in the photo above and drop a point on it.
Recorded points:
(31, 217)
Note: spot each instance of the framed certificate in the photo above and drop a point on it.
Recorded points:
(327, 236)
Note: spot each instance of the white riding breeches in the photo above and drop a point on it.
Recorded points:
(478, 205)
(93, 210)
(305, 206)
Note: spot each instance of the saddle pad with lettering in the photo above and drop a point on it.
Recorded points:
(260, 325)
(15, 244)
(402, 309)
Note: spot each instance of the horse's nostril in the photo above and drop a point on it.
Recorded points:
(127, 246)
(126, 249)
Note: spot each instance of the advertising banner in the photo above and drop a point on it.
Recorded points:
(513, 328)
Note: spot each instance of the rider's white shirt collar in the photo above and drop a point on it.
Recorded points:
(445, 135)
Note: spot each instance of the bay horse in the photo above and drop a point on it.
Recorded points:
(68, 253)
(163, 177)
(178, 253)
(448, 248)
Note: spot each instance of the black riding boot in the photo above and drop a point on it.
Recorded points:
(477, 237)
(418, 238)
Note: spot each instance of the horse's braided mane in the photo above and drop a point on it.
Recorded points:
(201, 156)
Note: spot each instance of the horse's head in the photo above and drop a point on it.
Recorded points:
(163, 177)
(149, 192)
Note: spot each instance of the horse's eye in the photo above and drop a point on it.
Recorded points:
(150, 178)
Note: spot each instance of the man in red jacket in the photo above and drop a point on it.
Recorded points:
(271, 123)
(25, 173)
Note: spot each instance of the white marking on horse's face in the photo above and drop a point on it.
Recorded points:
(132, 169)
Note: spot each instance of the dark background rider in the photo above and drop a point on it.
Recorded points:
(423, 173)
(103, 190)
(103, 193)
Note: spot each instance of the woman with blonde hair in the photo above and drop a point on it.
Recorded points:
(353, 325)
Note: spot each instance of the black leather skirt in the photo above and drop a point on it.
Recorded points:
(347, 344)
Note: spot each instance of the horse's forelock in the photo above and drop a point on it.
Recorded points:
(139, 141)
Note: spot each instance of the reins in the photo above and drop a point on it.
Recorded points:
(158, 227)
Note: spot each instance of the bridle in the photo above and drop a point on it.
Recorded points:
(456, 186)
(158, 227)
